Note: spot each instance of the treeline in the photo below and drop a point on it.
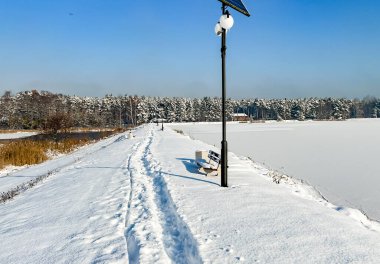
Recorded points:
(34, 109)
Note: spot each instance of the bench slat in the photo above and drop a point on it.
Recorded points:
(214, 156)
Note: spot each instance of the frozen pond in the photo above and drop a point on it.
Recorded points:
(339, 158)
(16, 135)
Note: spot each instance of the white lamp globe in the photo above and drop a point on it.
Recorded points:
(218, 29)
(226, 22)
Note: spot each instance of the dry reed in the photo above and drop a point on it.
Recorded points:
(27, 152)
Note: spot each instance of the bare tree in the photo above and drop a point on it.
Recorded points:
(58, 122)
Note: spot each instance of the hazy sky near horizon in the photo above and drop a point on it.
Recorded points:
(287, 48)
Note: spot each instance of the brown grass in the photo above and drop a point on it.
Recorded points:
(27, 152)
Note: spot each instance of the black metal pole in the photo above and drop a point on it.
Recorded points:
(223, 180)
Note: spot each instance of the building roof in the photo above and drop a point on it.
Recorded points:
(239, 114)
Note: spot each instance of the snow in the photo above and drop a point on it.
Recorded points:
(16, 135)
(336, 157)
(9, 169)
(142, 199)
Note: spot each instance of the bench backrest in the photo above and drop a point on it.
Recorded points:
(215, 157)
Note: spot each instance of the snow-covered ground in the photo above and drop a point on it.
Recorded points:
(338, 158)
(16, 135)
(142, 200)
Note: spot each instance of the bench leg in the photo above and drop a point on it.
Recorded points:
(201, 169)
(210, 172)
(215, 172)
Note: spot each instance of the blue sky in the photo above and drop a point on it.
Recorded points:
(287, 48)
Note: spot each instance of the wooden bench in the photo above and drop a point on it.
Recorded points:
(212, 166)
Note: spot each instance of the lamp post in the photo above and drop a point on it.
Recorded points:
(225, 23)
(161, 110)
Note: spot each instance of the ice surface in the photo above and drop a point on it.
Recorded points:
(16, 135)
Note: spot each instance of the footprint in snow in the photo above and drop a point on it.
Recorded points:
(118, 215)
(207, 240)
(228, 249)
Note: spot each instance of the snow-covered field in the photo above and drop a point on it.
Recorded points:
(142, 200)
(339, 158)
(16, 135)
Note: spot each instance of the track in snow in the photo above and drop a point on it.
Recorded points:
(154, 230)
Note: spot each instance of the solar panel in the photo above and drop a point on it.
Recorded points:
(237, 5)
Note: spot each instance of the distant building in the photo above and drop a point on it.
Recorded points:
(240, 117)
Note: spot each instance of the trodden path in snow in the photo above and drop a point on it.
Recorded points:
(155, 232)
